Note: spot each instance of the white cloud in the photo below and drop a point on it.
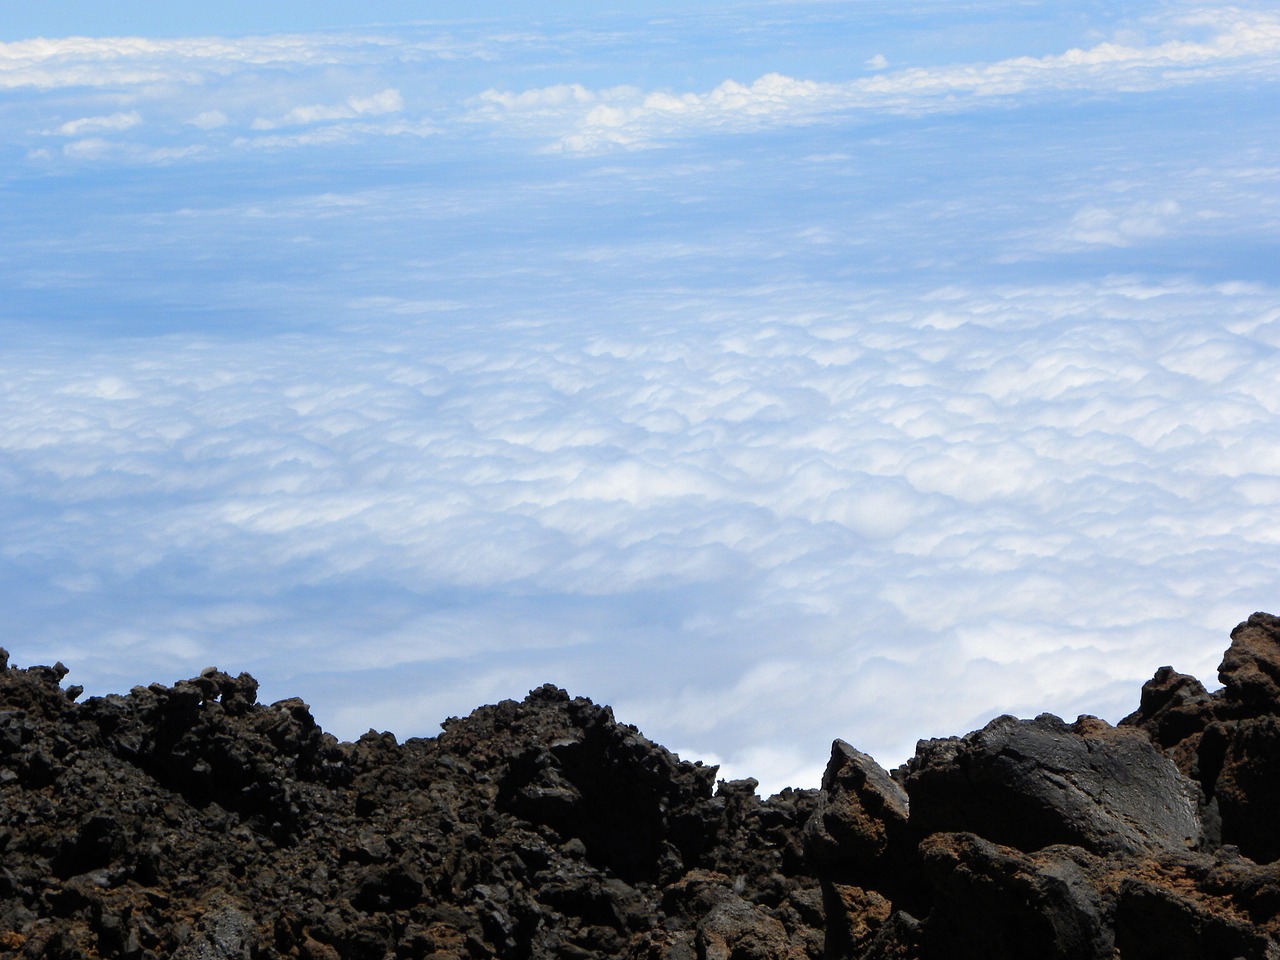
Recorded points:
(626, 116)
(376, 105)
(1100, 226)
(130, 62)
(90, 148)
(1243, 43)
(209, 120)
(290, 81)
(764, 446)
(114, 122)
(556, 96)
(331, 134)
(797, 510)
(99, 149)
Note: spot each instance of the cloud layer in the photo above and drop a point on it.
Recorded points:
(862, 522)
(257, 84)
(1240, 44)
(897, 389)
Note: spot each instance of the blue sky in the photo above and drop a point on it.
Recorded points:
(773, 372)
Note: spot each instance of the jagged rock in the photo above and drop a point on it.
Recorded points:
(192, 822)
(854, 918)
(727, 926)
(534, 829)
(1030, 784)
(997, 903)
(1229, 741)
(1240, 754)
(1155, 922)
(1246, 754)
(1250, 670)
(225, 932)
(1173, 708)
(860, 817)
(900, 938)
(858, 842)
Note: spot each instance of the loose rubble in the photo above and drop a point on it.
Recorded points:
(192, 822)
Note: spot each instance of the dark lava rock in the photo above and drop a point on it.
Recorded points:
(997, 903)
(858, 842)
(193, 822)
(225, 932)
(860, 818)
(1030, 784)
(1228, 741)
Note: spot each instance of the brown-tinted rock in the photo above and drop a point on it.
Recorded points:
(1157, 922)
(1247, 787)
(859, 844)
(900, 938)
(860, 817)
(996, 903)
(531, 830)
(1250, 669)
(190, 821)
(1174, 707)
(1228, 741)
(854, 917)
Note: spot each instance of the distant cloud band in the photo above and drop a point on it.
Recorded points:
(629, 117)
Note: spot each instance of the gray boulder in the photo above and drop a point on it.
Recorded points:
(1030, 784)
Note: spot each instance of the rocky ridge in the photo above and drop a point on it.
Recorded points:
(192, 822)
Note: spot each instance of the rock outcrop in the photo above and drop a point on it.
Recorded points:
(191, 821)
(1228, 742)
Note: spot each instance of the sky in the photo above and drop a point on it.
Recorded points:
(771, 371)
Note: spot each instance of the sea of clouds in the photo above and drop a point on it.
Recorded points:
(414, 367)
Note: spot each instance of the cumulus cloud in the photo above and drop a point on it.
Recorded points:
(627, 116)
(799, 512)
(763, 446)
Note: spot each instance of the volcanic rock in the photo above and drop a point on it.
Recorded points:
(192, 822)
(860, 817)
(1228, 741)
(997, 903)
(1030, 784)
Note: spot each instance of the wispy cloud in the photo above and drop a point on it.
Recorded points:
(374, 105)
(1241, 43)
(1103, 226)
(112, 122)
(209, 120)
(272, 82)
(125, 62)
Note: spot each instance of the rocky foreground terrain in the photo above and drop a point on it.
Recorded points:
(193, 822)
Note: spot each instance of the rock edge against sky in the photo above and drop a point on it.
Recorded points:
(194, 822)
